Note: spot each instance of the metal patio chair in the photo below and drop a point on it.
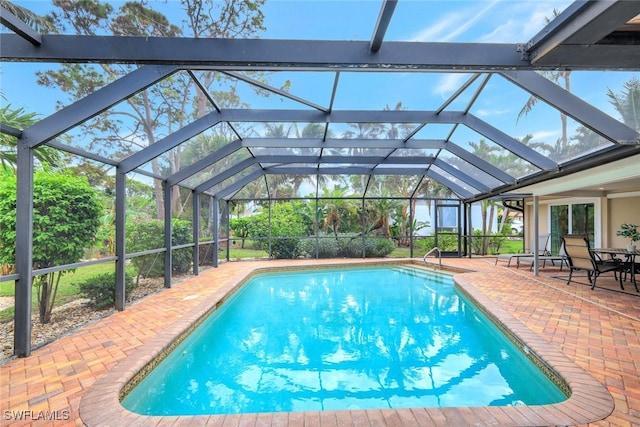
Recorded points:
(580, 257)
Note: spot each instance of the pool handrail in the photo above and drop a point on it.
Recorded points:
(424, 258)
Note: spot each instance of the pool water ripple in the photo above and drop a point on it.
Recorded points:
(342, 339)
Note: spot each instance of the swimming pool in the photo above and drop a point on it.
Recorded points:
(340, 341)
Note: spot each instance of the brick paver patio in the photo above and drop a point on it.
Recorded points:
(599, 330)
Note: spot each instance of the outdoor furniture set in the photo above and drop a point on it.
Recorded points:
(576, 253)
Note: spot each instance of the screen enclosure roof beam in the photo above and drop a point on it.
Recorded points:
(19, 27)
(569, 104)
(236, 186)
(582, 35)
(384, 18)
(94, 104)
(265, 54)
(230, 172)
(204, 163)
(509, 143)
(336, 143)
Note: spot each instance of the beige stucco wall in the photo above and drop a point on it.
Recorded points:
(620, 211)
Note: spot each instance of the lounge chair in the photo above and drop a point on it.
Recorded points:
(543, 241)
(561, 258)
(580, 257)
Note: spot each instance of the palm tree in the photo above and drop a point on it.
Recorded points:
(555, 76)
(335, 206)
(383, 209)
(627, 102)
(36, 22)
(21, 119)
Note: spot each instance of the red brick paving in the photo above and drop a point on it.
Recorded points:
(598, 330)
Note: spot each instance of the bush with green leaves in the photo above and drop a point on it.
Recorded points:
(66, 218)
(280, 234)
(240, 228)
(101, 289)
(484, 245)
(324, 247)
(446, 243)
(347, 246)
(374, 247)
(147, 235)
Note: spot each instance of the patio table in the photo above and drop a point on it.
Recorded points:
(630, 259)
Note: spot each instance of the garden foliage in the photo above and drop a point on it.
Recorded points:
(288, 223)
(101, 289)
(66, 217)
(147, 235)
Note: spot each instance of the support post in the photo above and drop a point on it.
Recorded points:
(536, 234)
(24, 250)
(227, 213)
(168, 244)
(364, 231)
(411, 227)
(195, 228)
(270, 233)
(216, 230)
(460, 227)
(470, 229)
(120, 238)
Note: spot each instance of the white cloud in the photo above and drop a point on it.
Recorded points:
(433, 32)
(490, 113)
(519, 21)
(453, 24)
(543, 135)
(449, 84)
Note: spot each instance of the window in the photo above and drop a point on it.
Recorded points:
(575, 217)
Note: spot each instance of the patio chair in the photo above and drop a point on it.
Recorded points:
(580, 257)
(543, 241)
(561, 258)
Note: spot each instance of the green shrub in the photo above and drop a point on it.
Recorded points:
(146, 235)
(240, 228)
(382, 248)
(352, 247)
(322, 247)
(288, 222)
(66, 218)
(446, 243)
(285, 248)
(424, 245)
(101, 289)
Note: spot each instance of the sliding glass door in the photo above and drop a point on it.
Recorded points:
(572, 218)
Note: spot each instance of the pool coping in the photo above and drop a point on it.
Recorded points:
(589, 400)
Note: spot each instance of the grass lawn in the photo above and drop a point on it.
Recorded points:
(511, 247)
(402, 253)
(67, 290)
(239, 253)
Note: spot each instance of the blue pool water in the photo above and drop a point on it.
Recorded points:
(342, 339)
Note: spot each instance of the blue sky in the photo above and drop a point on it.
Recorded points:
(496, 21)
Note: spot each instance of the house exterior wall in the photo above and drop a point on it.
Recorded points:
(613, 211)
(620, 211)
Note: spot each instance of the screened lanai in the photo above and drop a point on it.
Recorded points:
(390, 100)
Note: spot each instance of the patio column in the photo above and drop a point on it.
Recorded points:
(364, 231)
(411, 227)
(120, 237)
(536, 233)
(195, 229)
(227, 215)
(24, 249)
(168, 244)
(216, 231)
